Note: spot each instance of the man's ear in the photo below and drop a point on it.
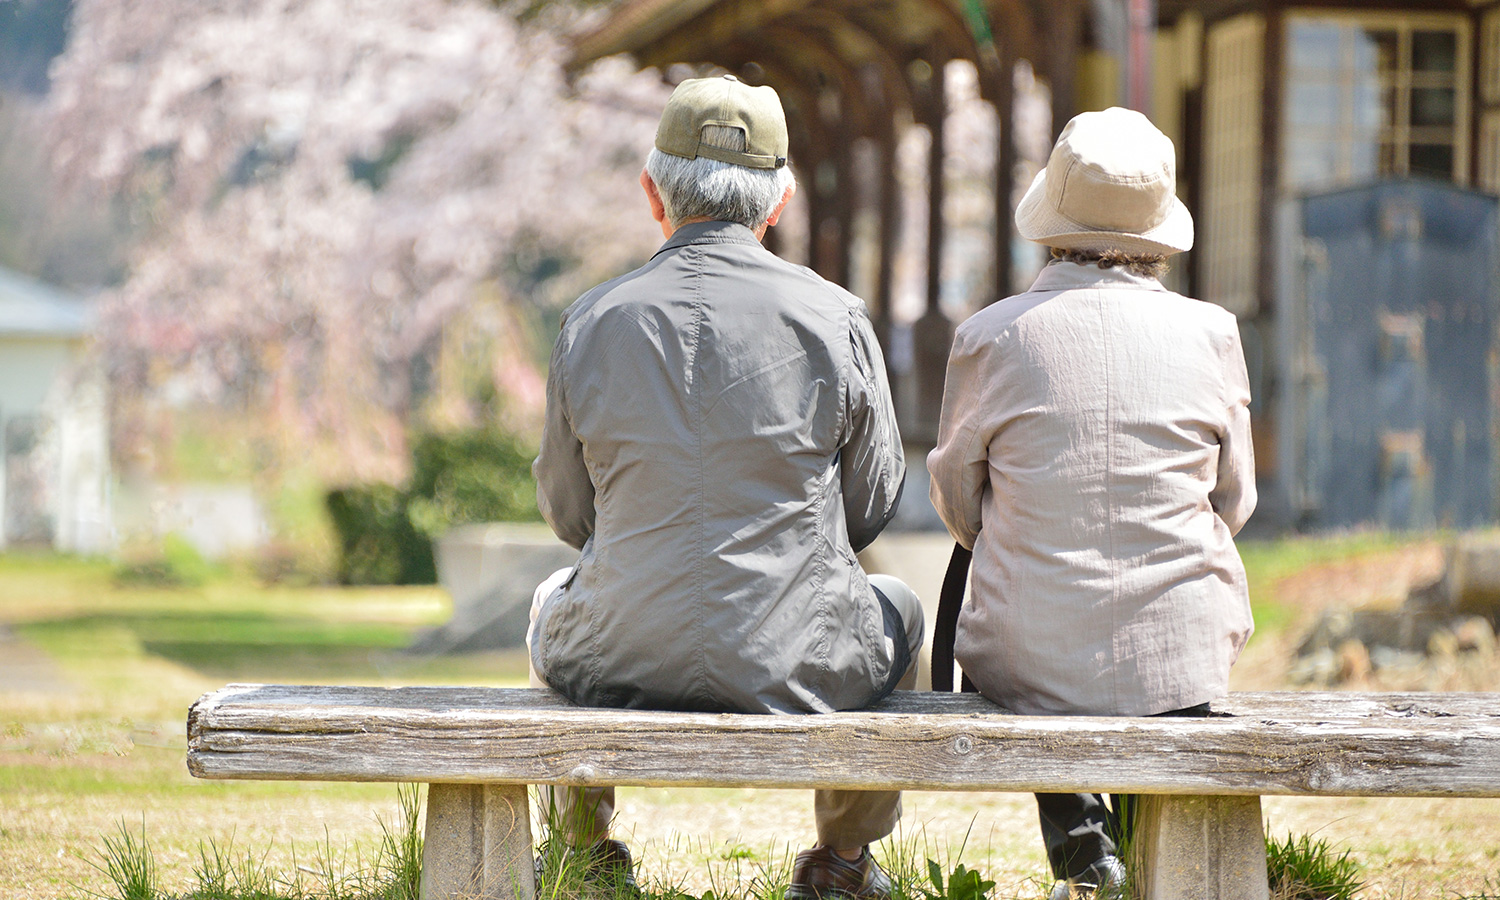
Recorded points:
(658, 209)
(786, 197)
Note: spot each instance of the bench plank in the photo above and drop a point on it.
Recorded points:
(1329, 744)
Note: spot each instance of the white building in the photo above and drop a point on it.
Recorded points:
(54, 431)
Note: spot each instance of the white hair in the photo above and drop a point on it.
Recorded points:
(709, 189)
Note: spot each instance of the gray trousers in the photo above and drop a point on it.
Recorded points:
(844, 819)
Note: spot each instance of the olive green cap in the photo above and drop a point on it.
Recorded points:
(724, 101)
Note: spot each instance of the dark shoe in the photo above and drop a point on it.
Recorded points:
(1104, 880)
(606, 864)
(609, 864)
(821, 872)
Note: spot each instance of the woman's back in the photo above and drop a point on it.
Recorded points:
(1105, 411)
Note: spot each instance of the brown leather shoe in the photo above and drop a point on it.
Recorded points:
(821, 872)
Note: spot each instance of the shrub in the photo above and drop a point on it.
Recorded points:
(377, 543)
(177, 563)
(472, 476)
(386, 533)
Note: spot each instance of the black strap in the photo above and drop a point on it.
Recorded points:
(945, 628)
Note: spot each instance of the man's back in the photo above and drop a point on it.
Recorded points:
(728, 408)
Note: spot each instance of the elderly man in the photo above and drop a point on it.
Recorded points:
(719, 441)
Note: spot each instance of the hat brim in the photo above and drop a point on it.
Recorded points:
(1037, 221)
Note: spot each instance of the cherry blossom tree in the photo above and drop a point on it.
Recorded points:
(327, 193)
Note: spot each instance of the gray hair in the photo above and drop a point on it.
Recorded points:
(720, 191)
(1146, 265)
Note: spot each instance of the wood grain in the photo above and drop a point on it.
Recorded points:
(1331, 744)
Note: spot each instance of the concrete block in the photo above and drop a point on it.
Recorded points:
(477, 843)
(491, 570)
(1200, 848)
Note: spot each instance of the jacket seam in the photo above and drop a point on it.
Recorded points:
(695, 395)
(1109, 502)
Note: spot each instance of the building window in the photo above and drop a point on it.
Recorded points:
(1374, 95)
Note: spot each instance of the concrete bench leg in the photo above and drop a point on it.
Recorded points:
(1200, 848)
(478, 843)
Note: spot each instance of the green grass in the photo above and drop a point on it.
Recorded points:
(225, 872)
(1305, 868)
(130, 659)
(129, 864)
(99, 769)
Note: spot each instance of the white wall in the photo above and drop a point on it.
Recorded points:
(46, 376)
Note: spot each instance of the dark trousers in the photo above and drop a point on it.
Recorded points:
(1080, 829)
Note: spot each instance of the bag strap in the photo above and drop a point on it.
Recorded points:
(945, 626)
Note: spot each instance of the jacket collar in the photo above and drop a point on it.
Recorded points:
(709, 233)
(1059, 275)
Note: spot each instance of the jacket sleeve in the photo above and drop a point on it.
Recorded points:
(564, 491)
(871, 463)
(959, 464)
(1233, 496)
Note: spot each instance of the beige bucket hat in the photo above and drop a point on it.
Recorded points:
(1111, 183)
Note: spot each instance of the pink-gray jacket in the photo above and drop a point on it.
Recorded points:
(1094, 452)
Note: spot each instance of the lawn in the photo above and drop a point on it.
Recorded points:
(95, 742)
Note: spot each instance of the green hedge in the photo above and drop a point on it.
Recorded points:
(386, 533)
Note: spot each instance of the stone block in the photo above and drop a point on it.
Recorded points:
(1200, 848)
(477, 843)
(491, 571)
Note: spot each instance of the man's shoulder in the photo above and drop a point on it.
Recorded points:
(815, 285)
(621, 288)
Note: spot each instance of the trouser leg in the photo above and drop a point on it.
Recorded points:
(848, 819)
(580, 815)
(1079, 829)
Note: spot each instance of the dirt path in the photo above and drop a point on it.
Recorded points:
(25, 668)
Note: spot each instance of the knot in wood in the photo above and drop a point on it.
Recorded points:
(583, 774)
(963, 744)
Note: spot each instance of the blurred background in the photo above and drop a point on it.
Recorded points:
(279, 281)
(267, 267)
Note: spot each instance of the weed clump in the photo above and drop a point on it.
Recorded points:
(223, 873)
(1300, 868)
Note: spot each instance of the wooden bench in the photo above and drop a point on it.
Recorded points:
(1199, 833)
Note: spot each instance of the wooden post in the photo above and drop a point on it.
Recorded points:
(889, 217)
(1005, 175)
(932, 334)
(478, 843)
(1199, 848)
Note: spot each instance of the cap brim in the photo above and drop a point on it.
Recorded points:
(1037, 221)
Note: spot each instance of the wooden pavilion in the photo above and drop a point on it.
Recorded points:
(1270, 102)
(852, 71)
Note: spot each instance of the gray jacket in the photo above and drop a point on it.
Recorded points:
(719, 440)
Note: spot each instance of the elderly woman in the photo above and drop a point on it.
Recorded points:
(1094, 453)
